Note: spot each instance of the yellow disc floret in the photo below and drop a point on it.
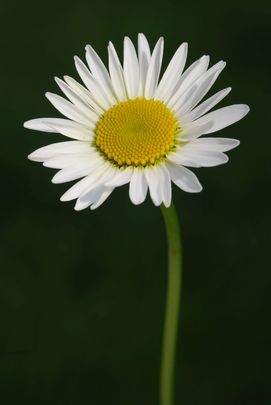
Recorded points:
(136, 132)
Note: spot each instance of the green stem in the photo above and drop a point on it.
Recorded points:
(172, 304)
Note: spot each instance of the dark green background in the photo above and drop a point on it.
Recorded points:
(82, 294)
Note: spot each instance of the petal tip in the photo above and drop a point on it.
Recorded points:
(127, 40)
(31, 156)
(167, 204)
(246, 109)
(27, 124)
(54, 180)
(197, 189)
(135, 202)
(63, 198)
(77, 208)
(89, 49)
(48, 95)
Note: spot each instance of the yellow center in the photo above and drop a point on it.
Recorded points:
(136, 132)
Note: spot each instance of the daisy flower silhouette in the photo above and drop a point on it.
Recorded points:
(129, 126)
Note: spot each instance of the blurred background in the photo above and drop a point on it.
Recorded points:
(82, 295)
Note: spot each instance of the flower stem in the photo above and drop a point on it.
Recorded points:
(172, 304)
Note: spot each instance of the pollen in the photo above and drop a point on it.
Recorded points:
(137, 132)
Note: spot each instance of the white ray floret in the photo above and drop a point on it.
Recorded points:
(130, 124)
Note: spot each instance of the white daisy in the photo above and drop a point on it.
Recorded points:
(130, 127)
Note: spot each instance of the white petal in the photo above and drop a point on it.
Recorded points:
(214, 144)
(116, 73)
(84, 94)
(68, 174)
(59, 148)
(97, 67)
(106, 174)
(183, 100)
(138, 187)
(173, 72)
(130, 69)
(187, 79)
(94, 87)
(179, 159)
(204, 83)
(81, 205)
(192, 157)
(184, 178)
(80, 169)
(154, 69)
(100, 176)
(61, 161)
(223, 117)
(194, 71)
(70, 129)
(144, 57)
(39, 124)
(89, 198)
(208, 104)
(166, 186)
(77, 101)
(154, 179)
(191, 131)
(121, 177)
(102, 198)
(96, 197)
(86, 184)
(58, 125)
(68, 109)
(100, 73)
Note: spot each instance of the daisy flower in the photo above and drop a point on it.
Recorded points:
(128, 125)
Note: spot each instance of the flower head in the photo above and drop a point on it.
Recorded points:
(130, 127)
